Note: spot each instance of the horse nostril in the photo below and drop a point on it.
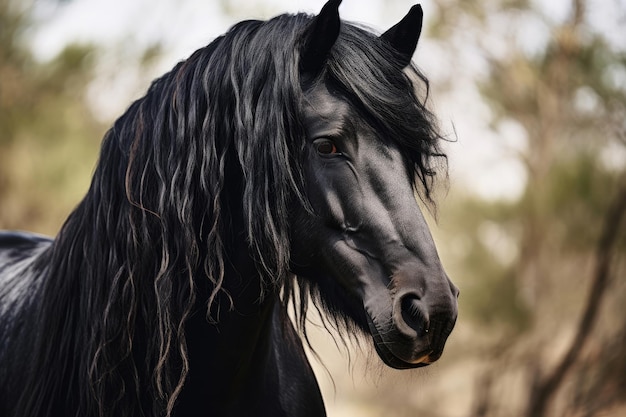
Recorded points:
(414, 314)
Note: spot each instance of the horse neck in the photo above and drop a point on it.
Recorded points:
(231, 353)
(252, 361)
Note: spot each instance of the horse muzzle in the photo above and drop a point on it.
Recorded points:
(412, 319)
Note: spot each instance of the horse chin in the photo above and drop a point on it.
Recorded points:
(392, 360)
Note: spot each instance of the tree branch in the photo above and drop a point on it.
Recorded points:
(544, 388)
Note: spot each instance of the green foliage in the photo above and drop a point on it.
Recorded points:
(485, 251)
(578, 195)
(48, 136)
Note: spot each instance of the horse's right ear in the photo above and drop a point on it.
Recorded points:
(403, 36)
(319, 37)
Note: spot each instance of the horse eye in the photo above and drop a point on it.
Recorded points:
(325, 147)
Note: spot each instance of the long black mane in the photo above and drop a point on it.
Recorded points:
(210, 156)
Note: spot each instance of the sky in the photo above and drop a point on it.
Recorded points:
(185, 24)
(182, 26)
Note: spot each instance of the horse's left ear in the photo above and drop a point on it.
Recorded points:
(403, 36)
(319, 37)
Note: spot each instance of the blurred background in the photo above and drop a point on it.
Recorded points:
(530, 224)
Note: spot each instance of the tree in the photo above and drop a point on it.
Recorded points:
(566, 96)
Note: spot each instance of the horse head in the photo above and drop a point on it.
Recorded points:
(363, 242)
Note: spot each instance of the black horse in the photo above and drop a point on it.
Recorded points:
(279, 164)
